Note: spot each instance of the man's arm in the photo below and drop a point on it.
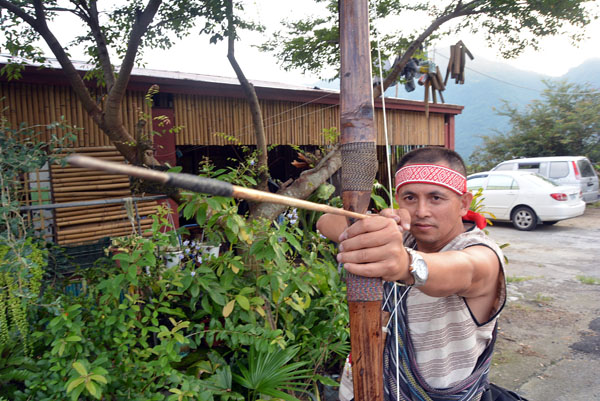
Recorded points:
(373, 248)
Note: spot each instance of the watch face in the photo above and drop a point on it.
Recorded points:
(420, 269)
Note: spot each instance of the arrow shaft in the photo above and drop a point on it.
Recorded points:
(206, 185)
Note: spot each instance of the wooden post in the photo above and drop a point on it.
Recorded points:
(359, 166)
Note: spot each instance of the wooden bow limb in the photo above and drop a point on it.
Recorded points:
(359, 166)
(206, 185)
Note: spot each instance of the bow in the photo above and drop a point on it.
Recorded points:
(359, 165)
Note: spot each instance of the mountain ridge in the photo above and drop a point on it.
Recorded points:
(487, 84)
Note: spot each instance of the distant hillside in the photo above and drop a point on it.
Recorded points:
(487, 83)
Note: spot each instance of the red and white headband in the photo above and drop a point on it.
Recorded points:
(431, 174)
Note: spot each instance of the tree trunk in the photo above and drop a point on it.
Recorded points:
(305, 185)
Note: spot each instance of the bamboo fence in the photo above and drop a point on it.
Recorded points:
(89, 223)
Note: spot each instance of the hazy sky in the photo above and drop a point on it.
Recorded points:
(555, 58)
(196, 55)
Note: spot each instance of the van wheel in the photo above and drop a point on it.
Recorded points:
(524, 219)
(550, 223)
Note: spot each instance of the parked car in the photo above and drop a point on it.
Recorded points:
(565, 170)
(526, 199)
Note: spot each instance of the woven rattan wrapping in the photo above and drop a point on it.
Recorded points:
(363, 289)
(359, 165)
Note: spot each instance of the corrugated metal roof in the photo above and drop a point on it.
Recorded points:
(182, 76)
(182, 82)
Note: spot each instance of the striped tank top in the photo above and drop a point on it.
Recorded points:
(445, 351)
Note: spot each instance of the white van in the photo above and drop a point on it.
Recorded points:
(565, 170)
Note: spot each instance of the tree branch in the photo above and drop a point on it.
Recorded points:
(19, 12)
(40, 25)
(139, 29)
(305, 185)
(103, 55)
(257, 120)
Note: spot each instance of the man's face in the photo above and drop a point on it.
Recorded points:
(436, 214)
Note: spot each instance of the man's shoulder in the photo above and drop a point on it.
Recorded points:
(471, 237)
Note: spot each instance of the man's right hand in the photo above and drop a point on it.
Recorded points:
(373, 247)
(400, 216)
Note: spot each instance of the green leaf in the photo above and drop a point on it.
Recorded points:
(73, 339)
(99, 378)
(327, 381)
(124, 257)
(71, 384)
(195, 290)
(78, 366)
(243, 302)
(91, 387)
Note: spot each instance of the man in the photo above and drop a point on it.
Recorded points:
(445, 280)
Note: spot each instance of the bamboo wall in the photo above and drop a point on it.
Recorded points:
(90, 223)
(41, 105)
(410, 128)
(204, 119)
(80, 224)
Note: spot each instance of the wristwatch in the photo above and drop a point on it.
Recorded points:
(418, 267)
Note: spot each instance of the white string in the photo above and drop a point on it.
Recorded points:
(391, 194)
(385, 130)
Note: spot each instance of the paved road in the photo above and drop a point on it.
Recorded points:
(549, 342)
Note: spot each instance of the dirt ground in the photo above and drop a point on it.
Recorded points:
(548, 344)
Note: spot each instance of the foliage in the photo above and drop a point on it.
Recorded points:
(289, 260)
(312, 44)
(22, 257)
(566, 121)
(111, 27)
(478, 207)
(270, 371)
(209, 329)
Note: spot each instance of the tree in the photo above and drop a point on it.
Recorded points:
(313, 44)
(565, 121)
(120, 33)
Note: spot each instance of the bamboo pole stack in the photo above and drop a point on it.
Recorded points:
(90, 223)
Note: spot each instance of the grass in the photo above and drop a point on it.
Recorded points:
(515, 279)
(541, 298)
(588, 280)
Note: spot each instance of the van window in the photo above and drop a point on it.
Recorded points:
(501, 182)
(534, 167)
(559, 169)
(585, 168)
(504, 167)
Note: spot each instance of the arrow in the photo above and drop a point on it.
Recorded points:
(204, 185)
